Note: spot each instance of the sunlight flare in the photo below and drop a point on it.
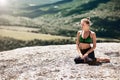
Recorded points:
(3, 2)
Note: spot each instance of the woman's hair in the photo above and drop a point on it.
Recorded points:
(87, 21)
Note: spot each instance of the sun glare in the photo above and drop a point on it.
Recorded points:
(3, 2)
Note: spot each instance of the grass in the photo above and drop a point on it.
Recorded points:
(107, 40)
(19, 28)
(22, 35)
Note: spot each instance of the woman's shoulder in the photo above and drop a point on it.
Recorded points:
(92, 32)
(79, 32)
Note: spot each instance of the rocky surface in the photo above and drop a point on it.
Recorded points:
(56, 62)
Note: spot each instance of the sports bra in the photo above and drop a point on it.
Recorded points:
(86, 40)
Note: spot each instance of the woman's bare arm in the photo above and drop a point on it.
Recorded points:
(77, 44)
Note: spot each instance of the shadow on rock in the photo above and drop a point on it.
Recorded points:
(113, 54)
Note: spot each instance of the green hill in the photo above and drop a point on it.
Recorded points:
(60, 17)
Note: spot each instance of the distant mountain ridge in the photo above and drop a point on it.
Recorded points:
(34, 1)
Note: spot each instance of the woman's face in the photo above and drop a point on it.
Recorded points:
(84, 25)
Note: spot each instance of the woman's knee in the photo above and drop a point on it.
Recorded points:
(78, 60)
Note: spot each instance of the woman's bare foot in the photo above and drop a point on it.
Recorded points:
(103, 60)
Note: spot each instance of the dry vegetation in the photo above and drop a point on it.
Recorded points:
(21, 35)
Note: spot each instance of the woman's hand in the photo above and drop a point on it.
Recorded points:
(85, 55)
(81, 56)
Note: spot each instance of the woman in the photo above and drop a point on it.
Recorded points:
(84, 38)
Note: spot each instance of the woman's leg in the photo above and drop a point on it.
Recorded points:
(103, 60)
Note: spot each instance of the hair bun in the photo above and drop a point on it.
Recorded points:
(88, 18)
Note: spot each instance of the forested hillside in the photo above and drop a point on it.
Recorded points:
(59, 17)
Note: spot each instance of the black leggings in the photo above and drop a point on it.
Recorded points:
(91, 56)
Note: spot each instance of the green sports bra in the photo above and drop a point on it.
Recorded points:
(87, 40)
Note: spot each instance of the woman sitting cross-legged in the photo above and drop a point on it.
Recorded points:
(84, 38)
